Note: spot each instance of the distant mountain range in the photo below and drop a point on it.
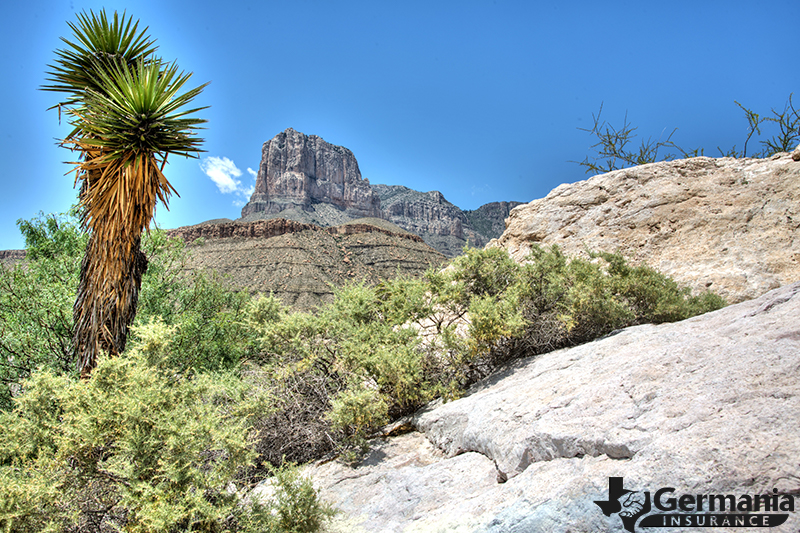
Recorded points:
(305, 179)
(313, 224)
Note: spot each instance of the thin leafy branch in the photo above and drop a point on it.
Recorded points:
(614, 147)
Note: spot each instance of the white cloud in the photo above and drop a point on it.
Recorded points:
(223, 172)
(252, 172)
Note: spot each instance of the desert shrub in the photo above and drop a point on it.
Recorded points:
(492, 319)
(164, 278)
(133, 448)
(487, 272)
(36, 300)
(354, 412)
(654, 297)
(323, 367)
(547, 302)
(294, 506)
(211, 328)
(262, 310)
(296, 428)
(404, 299)
(570, 301)
(296, 365)
(212, 331)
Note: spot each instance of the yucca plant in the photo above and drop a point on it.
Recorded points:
(128, 115)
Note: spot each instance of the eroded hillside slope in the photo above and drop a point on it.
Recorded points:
(303, 263)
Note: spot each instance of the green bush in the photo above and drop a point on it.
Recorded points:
(547, 302)
(317, 365)
(354, 412)
(36, 300)
(134, 448)
(566, 302)
(487, 272)
(294, 506)
(212, 330)
(262, 310)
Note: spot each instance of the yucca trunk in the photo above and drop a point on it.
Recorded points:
(119, 201)
(105, 307)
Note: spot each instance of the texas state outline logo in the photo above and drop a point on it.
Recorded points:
(666, 509)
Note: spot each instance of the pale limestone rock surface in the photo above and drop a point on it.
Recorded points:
(709, 405)
(727, 225)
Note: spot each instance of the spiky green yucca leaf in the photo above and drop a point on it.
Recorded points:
(99, 44)
(138, 109)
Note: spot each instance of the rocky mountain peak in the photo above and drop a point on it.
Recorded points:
(298, 171)
(306, 179)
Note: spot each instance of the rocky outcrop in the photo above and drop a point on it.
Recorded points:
(443, 225)
(728, 225)
(11, 257)
(707, 406)
(420, 212)
(299, 171)
(307, 180)
(265, 229)
(490, 219)
(428, 214)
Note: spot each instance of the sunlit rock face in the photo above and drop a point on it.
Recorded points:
(723, 224)
(298, 171)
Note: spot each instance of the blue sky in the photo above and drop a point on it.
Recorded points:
(481, 100)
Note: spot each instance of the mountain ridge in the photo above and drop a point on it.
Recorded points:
(303, 263)
(306, 179)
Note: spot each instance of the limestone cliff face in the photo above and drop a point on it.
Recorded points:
(489, 219)
(298, 171)
(420, 212)
(728, 225)
(307, 180)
